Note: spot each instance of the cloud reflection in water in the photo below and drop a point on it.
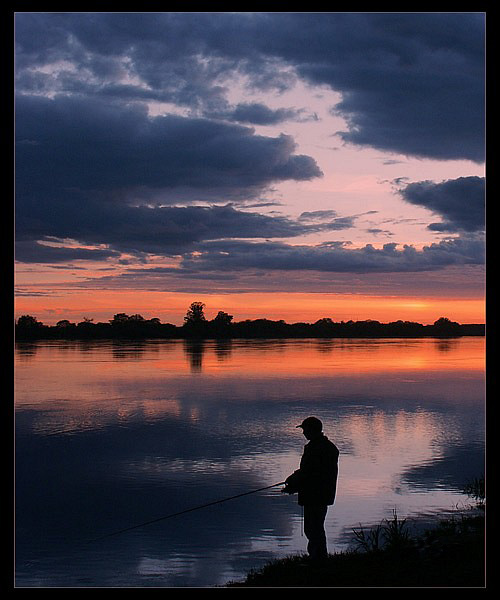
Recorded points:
(117, 435)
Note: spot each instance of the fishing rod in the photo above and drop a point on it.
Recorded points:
(182, 512)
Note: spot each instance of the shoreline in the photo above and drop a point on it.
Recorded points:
(447, 551)
(123, 326)
(22, 337)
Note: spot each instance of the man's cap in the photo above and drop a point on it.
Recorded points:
(311, 423)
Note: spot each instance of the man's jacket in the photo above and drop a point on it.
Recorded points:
(316, 479)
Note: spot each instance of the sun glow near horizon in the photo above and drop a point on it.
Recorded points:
(291, 307)
(265, 179)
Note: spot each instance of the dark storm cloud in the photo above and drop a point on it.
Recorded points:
(142, 229)
(460, 202)
(103, 173)
(328, 219)
(335, 257)
(76, 143)
(257, 113)
(411, 83)
(92, 166)
(29, 251)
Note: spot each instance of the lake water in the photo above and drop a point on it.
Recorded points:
(110, 434)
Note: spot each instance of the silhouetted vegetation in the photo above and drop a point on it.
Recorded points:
(196, 325)
(450, 554)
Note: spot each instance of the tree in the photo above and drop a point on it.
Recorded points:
(223, 318)
(221, 325)
(86, 322)
(63, 323)
(444, 326)
(119, 319)
(28, 322)
(194, 315)
(137, 318)
(29, 327)
(324, 322)
(444, 322)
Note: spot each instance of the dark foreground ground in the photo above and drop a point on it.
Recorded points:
(452, 554)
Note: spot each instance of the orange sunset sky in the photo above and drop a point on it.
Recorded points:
(271, 165)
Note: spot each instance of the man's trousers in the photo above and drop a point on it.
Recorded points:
(314, 529)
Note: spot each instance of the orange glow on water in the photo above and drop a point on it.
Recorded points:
(83, 384)
(155, 359)
(338, 357)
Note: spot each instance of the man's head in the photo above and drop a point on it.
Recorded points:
(311, 427)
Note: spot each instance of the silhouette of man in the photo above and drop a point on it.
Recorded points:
(316, 484)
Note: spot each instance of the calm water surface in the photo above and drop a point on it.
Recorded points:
(110, 434)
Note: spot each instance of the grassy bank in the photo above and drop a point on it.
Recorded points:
(450, 554)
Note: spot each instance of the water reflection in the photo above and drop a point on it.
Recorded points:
(446, 345)
(194, 350)
(223, 349)
(113, 434)
(123, 349)
(26, 350)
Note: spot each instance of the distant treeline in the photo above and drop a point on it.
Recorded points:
(196, 325)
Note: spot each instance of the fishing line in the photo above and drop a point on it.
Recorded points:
(182, 512)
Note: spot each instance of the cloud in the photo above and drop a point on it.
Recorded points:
(317, 215)
(334, 257)
(103, 173)
(93, 165)
(411, 83)
(256, 113)
(460, 202)
(74, 143)
(162, 230)
(29, 251)
(455, 280)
